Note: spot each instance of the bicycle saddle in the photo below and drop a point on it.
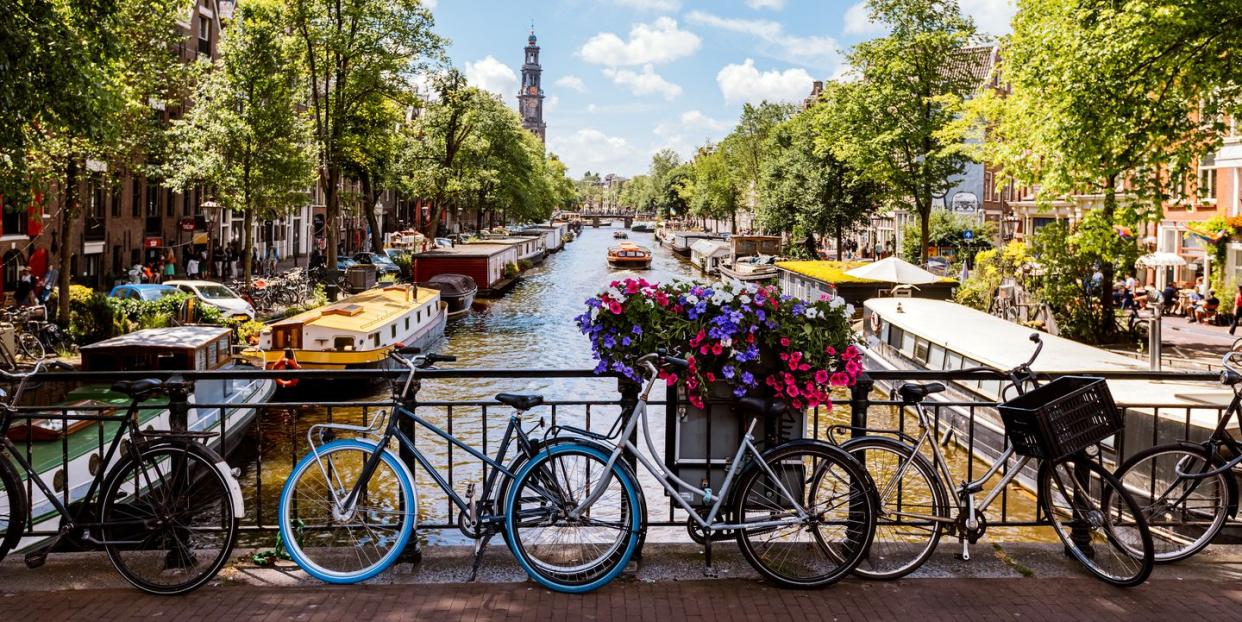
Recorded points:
(136, 388)
(916, 392)
(762, 406)
(520, 401)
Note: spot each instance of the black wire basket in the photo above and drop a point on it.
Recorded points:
(1061, 418)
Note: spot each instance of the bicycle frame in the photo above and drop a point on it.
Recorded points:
(675, 485)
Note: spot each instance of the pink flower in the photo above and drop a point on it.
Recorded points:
(821, 376)
(631, 286)
(615, 307)
(717, 349)
(671, 379)
(840, 379)
(696, 401)
(851, 352)
(712, 377)
(853, 368)
(792, 390)
(785, 341)
(804, 367)
(831, 351)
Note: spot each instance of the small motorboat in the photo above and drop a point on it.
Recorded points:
(457, 290)
(629, 255)
(620, 235)
(754, 268)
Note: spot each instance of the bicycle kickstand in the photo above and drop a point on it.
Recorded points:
(480, 546)
(709, 570)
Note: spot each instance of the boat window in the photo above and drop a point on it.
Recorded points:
(343, 343)
(375, 339)
(935, 357)
(200, 359)
(894, 336)
(394, 330)
(952, 360)
(970, 363)
(920, 350)
(407, 322)
(990, 388)
(907, 344)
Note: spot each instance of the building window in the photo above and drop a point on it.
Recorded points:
(15, 219)
(116, 200)
(170, 202)
(204, 35)
(136, 197)
(1207, 185)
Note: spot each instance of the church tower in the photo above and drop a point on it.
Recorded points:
(530, 98)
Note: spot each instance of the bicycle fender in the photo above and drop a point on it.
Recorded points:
(235, 492)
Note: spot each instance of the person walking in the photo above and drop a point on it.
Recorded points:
(170, 270)
(1237, 310)
(191, 268)
(23, 293)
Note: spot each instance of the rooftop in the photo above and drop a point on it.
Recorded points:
(832, 271)
(365, 311)
(175, 337)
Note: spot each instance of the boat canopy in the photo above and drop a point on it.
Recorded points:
(710, 248)
(452, 284)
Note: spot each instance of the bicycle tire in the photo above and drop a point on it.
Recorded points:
(182, 497)
(558, 566)
(898, 547)
(30, 346)
(13, 518)
(760, 499)
(1174, 536)
(321, 557)
(1129, 551)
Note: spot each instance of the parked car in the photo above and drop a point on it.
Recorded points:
(131, 291)
(217, 296)
(383, 265)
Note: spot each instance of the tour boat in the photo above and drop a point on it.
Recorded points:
(67, 453)
(919, 333)
(456, 290)
(629, 255)
(620, 235)
(355, 332)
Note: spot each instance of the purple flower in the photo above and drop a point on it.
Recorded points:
(625, 341)
(638, 330)
(739, 391)
(728, 371)
(748, 378)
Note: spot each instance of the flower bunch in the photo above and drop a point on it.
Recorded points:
(750, 337)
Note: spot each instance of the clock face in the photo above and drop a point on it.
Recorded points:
(532, 90)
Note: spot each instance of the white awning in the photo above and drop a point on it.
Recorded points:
(1229, 156)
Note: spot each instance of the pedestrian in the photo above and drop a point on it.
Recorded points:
(191, 268)
(23, 293)
(170, 270)
(1237, 310)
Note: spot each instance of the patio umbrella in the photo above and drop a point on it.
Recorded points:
(1160, 260)
(894, 270)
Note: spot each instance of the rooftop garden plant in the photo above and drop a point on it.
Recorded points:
(750, 337)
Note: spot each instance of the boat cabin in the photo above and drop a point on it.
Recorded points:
(195, 348)
(529, 248)
(708, 254)
(484, 262)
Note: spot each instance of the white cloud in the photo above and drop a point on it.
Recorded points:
(815, 51)
(691, 129)
(745, 83)
(991, 16)
(646, 83)
(658, 42)
(572, 82)
(592, 108)
(430, 5)
(775, 5)
(551, 103)
(651, 5)
(591, 149)
(492, 75)
(858, 21)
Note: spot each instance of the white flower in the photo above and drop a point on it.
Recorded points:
(849, 310)
(691, 299)
(811, 313)
(615, 294)
(726, 342)
(752, 288)
(594, 313)
(836, 303)
(744, 298)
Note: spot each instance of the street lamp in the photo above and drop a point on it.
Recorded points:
(1009, 227)
(211, 210)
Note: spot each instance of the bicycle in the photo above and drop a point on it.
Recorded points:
(166, 512)
(1187, 489)
(358, 501)
(1099, 524)
(803, 512)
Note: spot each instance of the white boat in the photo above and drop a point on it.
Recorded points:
(71, 456)
(707, 255)
(751, 257)
(919, 333)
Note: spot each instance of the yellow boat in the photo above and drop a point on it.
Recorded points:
(355, 332)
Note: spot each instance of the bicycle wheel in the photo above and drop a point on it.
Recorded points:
(13, 512)
(558, 547)
(910, 497)
(30, 346)
(168, 518)
(1097, 520)
(347, 545)
(1183, 514)
(838, 499)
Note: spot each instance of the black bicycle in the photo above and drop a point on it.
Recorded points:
(1187, 489)
(166, 511)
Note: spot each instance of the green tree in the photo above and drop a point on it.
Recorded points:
(1112, 97)
(811, 189)
(244, 137)
(370, 149)
(745, 150)
(965, 235)
(665, 197)
(355, 51)
(890, 123)
(712, 191)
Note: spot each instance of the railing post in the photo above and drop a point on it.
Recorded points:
(629, 400)
(413, 552)
(179, 404)
(860, 399)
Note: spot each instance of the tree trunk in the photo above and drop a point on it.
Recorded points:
(433, 218)
(372, 197)
(248, 249)
(68, 216)
(840, 240)
(733, 221)
(332, 212)
(924, 231)
(812, 248)
(1107, 323)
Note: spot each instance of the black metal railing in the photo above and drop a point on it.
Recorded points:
(264, 441)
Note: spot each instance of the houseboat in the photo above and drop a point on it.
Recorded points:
(356, 332)
(707, 255)
(66, 453)
(530, 249)
(751, 258)
(629, 255)
(917, 333)
(492, 266)
(456, 290)
(553, 235)
(809, 280)
(682, 240)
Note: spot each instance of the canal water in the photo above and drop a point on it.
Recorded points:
(530, 327)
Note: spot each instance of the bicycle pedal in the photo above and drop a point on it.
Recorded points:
(35, 559)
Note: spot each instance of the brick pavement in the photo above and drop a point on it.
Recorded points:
(920, 600)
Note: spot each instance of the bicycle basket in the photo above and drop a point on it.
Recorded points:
(1060, 418)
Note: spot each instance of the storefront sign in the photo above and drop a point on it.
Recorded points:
(187, 224)
(152, 242)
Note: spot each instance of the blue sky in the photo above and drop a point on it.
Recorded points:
(624, 78)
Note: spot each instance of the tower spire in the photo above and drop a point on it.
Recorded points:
(530, 98)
